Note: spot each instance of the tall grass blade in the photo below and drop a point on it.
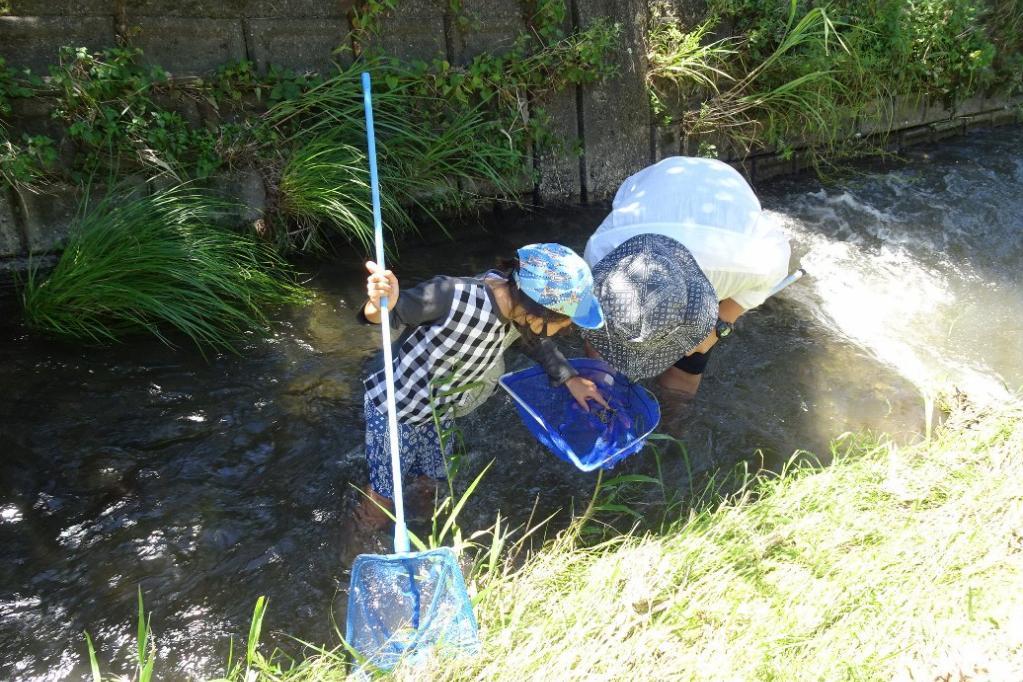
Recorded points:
(255, 628)
(452, 519)
(93, 663)
(430, 153)
(142, 638)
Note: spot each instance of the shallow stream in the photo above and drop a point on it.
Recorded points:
(208, 483)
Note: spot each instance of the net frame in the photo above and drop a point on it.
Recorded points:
(445, 625)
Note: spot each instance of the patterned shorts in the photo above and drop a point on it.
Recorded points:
(420, 450)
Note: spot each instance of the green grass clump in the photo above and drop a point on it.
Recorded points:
(154, 263)
(780, 99)
(326, 183)
(430, 154)
(684, 64)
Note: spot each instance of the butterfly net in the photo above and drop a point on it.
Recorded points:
(407, 606)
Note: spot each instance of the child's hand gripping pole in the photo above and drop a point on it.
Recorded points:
(401, 542)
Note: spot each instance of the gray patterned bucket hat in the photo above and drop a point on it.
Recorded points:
(658, 305)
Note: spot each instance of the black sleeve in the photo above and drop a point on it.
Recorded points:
(545, 352)
(425, 302)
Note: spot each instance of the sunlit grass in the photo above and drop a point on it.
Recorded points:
(804, 93)
(684, 64)
(326, 184)
(808, 106)
(894, 563)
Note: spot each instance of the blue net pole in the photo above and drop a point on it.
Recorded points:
(401, 542)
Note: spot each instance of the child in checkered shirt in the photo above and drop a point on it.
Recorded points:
(456, 330)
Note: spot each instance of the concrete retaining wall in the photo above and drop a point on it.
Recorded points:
(609, 123)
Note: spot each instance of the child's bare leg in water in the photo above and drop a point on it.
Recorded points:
(370, 513)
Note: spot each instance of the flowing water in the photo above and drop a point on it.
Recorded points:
(207, 483)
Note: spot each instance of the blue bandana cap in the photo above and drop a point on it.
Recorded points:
(557, 278)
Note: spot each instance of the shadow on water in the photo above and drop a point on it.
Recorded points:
(209, 484)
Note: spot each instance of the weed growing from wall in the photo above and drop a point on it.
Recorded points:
(26, 162)
(798, 73)
(1004, 20)
(684, 67)
(111, 105)
(461, 133)
(12, 85)
(695, 83)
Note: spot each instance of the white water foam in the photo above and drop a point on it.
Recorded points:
(886, 301)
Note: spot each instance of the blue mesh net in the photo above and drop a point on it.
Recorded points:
(598, 438)
(402, 607)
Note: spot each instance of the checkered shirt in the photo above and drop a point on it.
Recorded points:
(438, 364)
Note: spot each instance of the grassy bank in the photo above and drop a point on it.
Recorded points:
(895, 563)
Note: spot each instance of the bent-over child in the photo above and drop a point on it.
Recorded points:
(456, 330)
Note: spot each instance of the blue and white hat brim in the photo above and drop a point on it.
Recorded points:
(588, 314)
